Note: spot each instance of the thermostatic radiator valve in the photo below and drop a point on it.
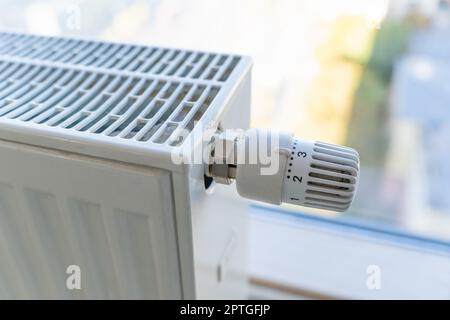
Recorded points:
(276, 167)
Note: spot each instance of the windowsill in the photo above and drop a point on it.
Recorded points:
(329, 257)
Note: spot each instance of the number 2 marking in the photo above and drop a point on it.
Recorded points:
(297, 179)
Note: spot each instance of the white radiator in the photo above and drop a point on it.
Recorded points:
(86, 178)
(109, 158)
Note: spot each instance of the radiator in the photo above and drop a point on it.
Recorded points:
(97, 197)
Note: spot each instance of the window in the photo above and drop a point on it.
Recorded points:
(373, 75)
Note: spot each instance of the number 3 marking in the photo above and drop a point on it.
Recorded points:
(301, 154)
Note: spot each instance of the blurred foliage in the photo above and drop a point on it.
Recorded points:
(368, 132)
(389, 44)
(351, 38)
(368, 127)
(356, 36)
(344, 41)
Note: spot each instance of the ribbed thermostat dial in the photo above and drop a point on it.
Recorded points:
(320, 175)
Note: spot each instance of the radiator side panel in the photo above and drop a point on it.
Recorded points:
(219, 218)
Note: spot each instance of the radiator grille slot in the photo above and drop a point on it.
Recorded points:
(124, 57)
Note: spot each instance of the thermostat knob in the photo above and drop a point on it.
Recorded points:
(275, 167)
(320, 175)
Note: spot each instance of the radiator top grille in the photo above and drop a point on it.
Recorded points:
(149, 95)
(126, 57)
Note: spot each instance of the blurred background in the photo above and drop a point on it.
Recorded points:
(374, 75)
(371, 74)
